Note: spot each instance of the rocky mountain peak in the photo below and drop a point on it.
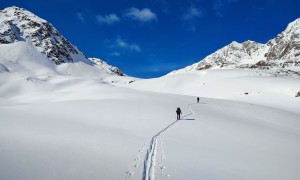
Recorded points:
(294, 26)
(18, 24)
(14, 11)
(286, 45)
(108, 68)
(281, 53)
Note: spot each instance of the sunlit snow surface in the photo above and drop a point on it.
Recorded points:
(63, 123)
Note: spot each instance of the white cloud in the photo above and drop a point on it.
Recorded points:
(192, 13)
(80, 17)
(165, 6)
(135, 47)
(114, 54)
(219, 5)
(108, 19)
(143, 15)
(190, 17)
(121, 43)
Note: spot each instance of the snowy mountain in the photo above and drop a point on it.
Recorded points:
(286, 45)
(108, 68)
(281, 54)
(61, 117)
(19, 25)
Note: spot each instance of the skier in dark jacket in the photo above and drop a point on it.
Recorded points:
(178, 112)
(198, 99)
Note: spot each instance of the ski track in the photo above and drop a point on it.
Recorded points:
(150, 158)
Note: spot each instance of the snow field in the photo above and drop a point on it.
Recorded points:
(231, 84)
(79, 121)
(75, 128)
(82, 132)
(230, 140)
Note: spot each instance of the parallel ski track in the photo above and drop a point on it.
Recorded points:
(150, 158)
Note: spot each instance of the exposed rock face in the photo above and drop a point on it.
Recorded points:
(108, 68)
(232, 55)
(18, 24)
(281, 53)
(286, 45)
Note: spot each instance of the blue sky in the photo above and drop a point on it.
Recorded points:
(149, 38)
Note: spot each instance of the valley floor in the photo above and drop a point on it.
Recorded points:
(98, 131)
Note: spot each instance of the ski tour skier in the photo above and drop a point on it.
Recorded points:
(198, 99)
(178, 112)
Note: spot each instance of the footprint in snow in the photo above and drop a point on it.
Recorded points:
(131, 174)
(141, 150)
(137, 158)
(163, 167)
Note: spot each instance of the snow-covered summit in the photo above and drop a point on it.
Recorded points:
(281, 53)
(108, 68)
(229, 56)
(286, 45)
(20, 25)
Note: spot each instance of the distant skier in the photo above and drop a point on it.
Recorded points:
(178, 112)
(198, 99)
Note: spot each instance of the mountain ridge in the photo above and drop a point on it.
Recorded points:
(281, 53)
(18, 24)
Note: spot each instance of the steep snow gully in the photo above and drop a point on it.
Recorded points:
(151, 155)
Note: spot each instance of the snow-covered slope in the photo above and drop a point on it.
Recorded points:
(108, 68)
(18, 26)
(232, 84)
(26, 72)
(22, 57)
(68, 121)
(74, 128)
(286, 45)
(281, 54)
